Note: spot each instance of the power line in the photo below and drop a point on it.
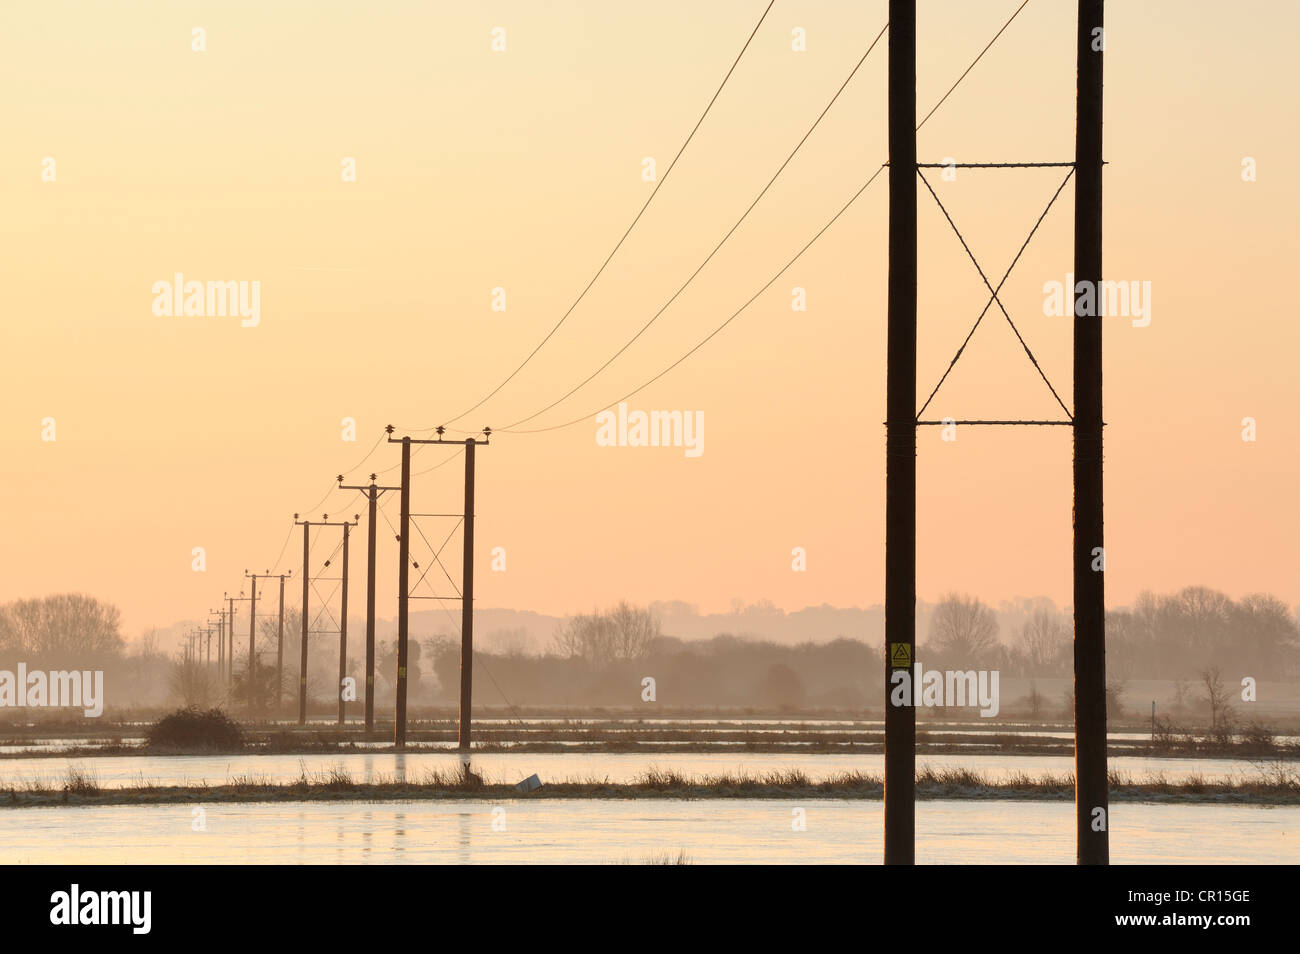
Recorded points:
(442, 463)
(708, 258)
(626, 233)
(945, 96)
(334, 486)
(734, 315)
(786, 267)
(284, 546)
(653, 193)
(312, 509)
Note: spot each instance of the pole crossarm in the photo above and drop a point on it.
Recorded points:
(986, 423)
(487, 434)
(372, 486)
(995, 165)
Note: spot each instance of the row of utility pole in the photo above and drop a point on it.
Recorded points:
(225, 627)
(1091, 792)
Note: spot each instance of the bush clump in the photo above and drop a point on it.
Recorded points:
(193, 728)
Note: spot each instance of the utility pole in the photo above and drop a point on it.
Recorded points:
(467, 586)
(343, 629)
(403, 581)
(467, 602)
(373, 492)
(306, 585)
(900, 444)
(302, 664)
(1091, 796)
(230, 637)
(252, 636)
(252, 651)
(221, 638)
(279, 652)
(230, 634)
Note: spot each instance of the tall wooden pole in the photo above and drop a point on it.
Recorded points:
(403, 581)
(279, 654)
(252, 643)
(900, 444)
(1092, 807)
(370, 610)
(230, 645)
(302, 650)
(467, 603)
(343, 630)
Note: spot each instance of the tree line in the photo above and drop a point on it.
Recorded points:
(600, 657)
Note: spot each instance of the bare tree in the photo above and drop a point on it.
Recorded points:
(963, 630)
(507, 642)
(584, 636)
(634, 629)
(194, 684)
(623, 633)
(1216, 695)
(67, 628)
(1035, 701)
(1043, 642)
(1115, 687)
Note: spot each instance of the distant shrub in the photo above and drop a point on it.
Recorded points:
(1258, 737)
(195, 728)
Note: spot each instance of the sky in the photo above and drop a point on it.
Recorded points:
(479, 169)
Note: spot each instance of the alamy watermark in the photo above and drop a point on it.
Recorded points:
(212, 299)
(55, 689)
(651, 429)
(1107, 299)
(946, 687)
(72, 907)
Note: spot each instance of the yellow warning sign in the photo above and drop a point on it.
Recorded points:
(900, 655)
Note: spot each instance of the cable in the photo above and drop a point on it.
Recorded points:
(428, 470)
(708, 258)
(766, 285)
(628, 231)
(334, 486)
(945, 96)
(619, 244)
(284, 546)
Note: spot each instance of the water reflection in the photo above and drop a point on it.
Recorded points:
(464, 821)
(567, 831)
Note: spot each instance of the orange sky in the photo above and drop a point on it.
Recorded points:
(519, 169)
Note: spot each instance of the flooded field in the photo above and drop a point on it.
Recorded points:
(599, 832)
